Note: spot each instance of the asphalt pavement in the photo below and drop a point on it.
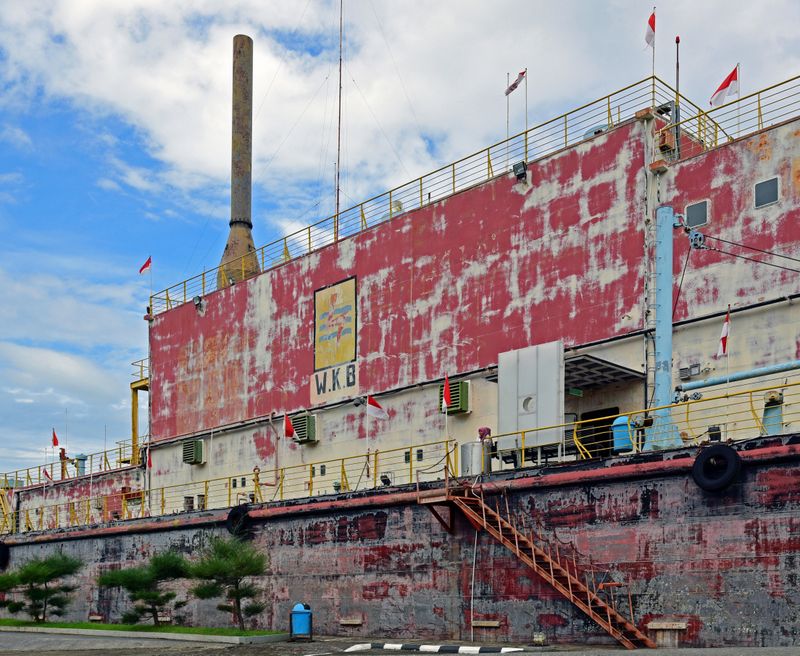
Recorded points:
(14, 644)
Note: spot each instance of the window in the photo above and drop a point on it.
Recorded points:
(322, 470)
(696, 214)
(766, 192)
(244, 482)
(201, 501)
(188, 504)
(234, 482)
(407, 456)
(419, 454)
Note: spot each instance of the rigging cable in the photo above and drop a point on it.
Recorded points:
(380, 127)
(753, 248)
(680, 284)
(750, 259)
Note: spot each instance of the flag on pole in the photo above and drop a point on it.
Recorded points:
(729, 85)
(650, 32)
(516, 82)
(288, 428)
(146, 265)
(149, 458)
(375, 409)
(723, 338)
(446, 400)
(55, 438)
(47, 475)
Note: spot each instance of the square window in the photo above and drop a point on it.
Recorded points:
(188, 504)
(766, 192)
(696, 214)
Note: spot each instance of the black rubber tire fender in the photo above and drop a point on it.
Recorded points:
(716, 467)
(238, 522)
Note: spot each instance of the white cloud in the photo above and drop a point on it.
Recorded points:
(108, 185)
(16, 136)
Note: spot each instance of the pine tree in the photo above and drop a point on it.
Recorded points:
(223, 567)
(143, 586)
(39, 582)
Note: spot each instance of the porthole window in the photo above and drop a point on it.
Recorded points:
(696, 214)
(766, 192)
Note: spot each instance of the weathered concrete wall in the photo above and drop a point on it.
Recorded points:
(726, 563)
(726, 178)
(443, 289)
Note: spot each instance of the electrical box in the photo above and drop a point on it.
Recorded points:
(305, 429)
(459, 397)
(193, 452)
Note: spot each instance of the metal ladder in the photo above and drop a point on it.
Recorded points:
(561, 571)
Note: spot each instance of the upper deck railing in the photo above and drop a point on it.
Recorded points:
(707, 129)
(539, 141)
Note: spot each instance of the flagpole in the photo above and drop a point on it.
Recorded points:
(508, 83)
(738, 96)
(654, 64)
(526, 102)
(677, 117)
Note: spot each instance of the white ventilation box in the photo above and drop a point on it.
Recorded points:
(531, 392)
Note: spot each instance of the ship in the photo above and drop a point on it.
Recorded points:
(548, 391)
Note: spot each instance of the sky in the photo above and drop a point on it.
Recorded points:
(115, 145)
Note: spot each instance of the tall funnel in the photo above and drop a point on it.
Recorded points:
(239, 260)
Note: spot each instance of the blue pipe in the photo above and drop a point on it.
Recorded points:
(662, 434)
(665, 218)
(740, 375)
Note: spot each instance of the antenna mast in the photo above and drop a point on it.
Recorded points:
(339, 130)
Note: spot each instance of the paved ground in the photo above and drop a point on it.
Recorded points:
(13, 644)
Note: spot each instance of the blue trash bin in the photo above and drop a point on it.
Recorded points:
(621, 434)
(300, 622)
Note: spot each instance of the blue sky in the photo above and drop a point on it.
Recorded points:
(115, 133)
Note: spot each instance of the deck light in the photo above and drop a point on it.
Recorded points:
(385, 479)
(520, 169)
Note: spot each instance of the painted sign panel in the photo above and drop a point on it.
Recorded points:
(334, 384)
(335, 325)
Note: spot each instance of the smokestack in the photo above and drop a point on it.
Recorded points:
(239, 260)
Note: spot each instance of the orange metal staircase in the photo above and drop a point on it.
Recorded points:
(562, 572)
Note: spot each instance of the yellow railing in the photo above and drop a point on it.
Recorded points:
(539, 141)
(141, 369)
(725, 415)
(375, 469)
(704, 130)
(58, 470)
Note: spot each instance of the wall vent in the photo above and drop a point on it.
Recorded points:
(459, 397)
(305, 428)
(193, 452)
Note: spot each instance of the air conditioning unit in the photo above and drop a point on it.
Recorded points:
(459, 397)
(193, 453)
(305, 429)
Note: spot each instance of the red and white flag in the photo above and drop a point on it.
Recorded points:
(288, 427)
(375, 409)
(47, 475)
(55, 438)
(149, 459)
(723, 338)
(446, 400)
(729, 85)
(650, 32)
(516, 82)
(146, 265)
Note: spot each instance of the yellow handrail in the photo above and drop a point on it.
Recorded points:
(538, 141)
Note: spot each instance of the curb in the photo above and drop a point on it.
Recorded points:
(145, 635)
(434, 649)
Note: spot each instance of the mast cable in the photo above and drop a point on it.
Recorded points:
(752, 248)
(750, 259)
